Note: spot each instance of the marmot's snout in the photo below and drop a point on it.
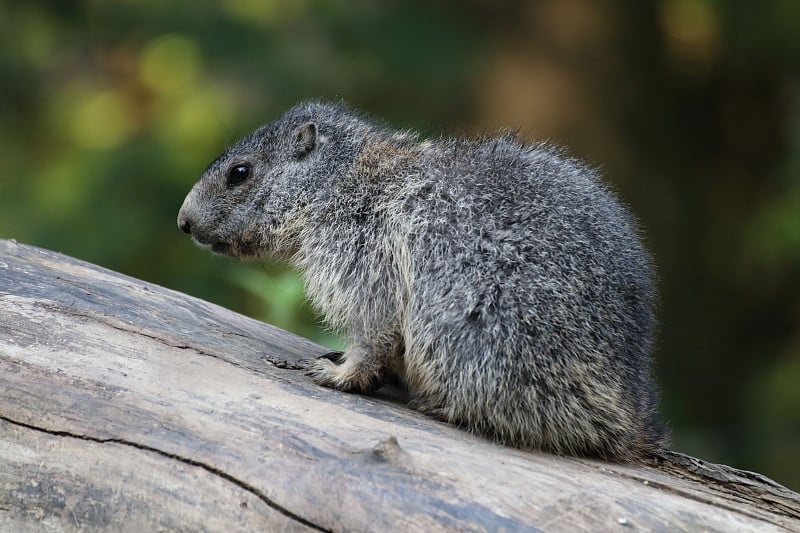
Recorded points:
(184, 223)
(186, 220)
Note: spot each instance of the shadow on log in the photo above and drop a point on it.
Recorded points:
(127, 406)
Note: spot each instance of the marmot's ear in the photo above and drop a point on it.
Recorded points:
(306, 140)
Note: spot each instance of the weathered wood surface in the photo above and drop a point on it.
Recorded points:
(126, 406)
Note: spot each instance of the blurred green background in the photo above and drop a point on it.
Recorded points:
(109, 110)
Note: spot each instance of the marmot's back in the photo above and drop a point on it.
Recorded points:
(534, 275)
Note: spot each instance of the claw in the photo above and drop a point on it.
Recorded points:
(338, 375)
(335, 357)
(322, 371)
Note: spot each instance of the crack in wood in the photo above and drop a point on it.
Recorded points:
(185, 460)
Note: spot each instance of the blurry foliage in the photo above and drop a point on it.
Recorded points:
(110, 110)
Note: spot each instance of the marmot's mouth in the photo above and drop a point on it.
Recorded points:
(218, 247)
(221, 248)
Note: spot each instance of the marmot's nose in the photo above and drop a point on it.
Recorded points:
(184, 224)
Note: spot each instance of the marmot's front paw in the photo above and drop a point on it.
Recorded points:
(338, 371)
(323, 371)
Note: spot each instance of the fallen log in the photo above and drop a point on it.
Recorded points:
(127, 406)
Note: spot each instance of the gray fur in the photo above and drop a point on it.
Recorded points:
(502, 282)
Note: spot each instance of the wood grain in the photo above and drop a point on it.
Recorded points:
(127, 406)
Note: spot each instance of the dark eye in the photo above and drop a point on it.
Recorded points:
(237, 174)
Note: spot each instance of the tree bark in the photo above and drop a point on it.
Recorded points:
(127, 406)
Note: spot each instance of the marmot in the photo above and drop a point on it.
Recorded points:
(501, 281)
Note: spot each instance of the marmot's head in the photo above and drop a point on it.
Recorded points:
(250, 201)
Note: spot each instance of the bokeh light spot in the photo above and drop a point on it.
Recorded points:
(169, 64)
(102, 120)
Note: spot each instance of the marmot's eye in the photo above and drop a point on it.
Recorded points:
(238, 174)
